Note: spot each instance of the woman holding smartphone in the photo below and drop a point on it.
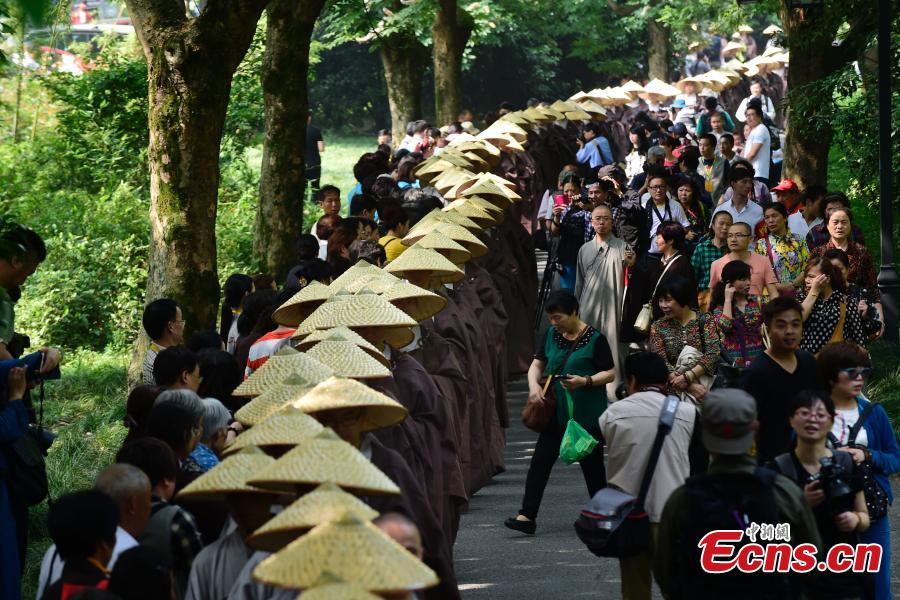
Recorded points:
(572, 225)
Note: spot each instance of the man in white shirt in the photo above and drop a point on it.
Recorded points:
(758, 148)
(164, 324)
(740, 207)
(628, 428)
(129, 487)
(661, 208)
(810, 214)
(756, 93)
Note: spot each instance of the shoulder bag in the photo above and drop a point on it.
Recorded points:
(876, 499)
(537, 417)
(27, 479)
(645, 317)
(614, 523)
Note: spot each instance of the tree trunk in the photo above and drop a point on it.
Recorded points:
(450, 35)
(282, 182)
(190, 64)
(403, 58)
(658, 50)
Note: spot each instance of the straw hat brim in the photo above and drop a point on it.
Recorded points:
(453, 251)
(279, 368)
(285, 427)
(273, 398)
(460, 235)
(419, 260)
(355, 272)
(345, 334)
(380, 411)
(301, 304)
(229, 477)
(325, 458)
(346, 359)
(352, 549)
(357, 311)
(338, 591)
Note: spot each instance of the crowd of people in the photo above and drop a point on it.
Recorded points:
(327, 436)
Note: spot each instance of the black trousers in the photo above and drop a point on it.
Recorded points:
(545, 454)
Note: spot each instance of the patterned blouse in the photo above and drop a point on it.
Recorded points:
(741, 340)
(668, 337)
(788, 255)
(820, 326)
(862, 268)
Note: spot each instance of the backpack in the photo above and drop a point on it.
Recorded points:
(727, 501)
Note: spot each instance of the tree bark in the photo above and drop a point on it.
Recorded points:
(658, 51)
(282, 182)
(190, 64)
(404, 60)
(450, 34)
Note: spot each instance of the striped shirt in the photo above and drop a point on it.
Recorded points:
(149, 360)
(265, 347)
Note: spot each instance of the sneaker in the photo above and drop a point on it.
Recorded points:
(523, 526)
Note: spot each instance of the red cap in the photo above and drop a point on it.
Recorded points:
(785, 185)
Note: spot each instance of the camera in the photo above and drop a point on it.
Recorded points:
(871, 325)
(838, 495)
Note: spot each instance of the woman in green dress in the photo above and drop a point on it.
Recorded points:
(584, 375)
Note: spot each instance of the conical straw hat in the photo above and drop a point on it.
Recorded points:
(479, 165)
(506, 127)
(273, 398)
(617, 96)
(489, 187)
(362, 310)
(772, 30)
(660, 89)
(735, 65)
(327, 502)
(352, 549)
(346, 359)
(280, 367)
(345, 334)
(455, 159)
(495, 211)
(554, 114)
(417, 259)
(596, 110)
(456, 233)
(356, 271)
(450, 178)
(745, 29)
(364, 280)
(418, 303)
(377, 410)
(734, 47)
(578, 97)
(229, 477)
(301, 304)
(483, 148)
(286, 427)
(689, 80)
(512, 145)
(325, 458)
(476, 213)
(632, 87)
(578, 115)
(436, 240)
(454, 218)
(564, 106)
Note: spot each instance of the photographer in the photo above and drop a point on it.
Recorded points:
(833, 487)
(13, 424)
(857, 295)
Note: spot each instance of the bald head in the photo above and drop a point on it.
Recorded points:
(129, 488)
(402, 530)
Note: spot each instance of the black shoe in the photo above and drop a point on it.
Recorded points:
(523, 526)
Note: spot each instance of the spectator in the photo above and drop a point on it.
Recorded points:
(141, 574)
(786, 253)
(777, 375)
(758, 149)
(626, 426)
(788, 195)
(843, 369)
(205, 340)
(594, 151)
(688, 194)
(571, 223)
(315, 145)
(634, 161)
(213, 441)
(809, 213)
(712, 247)
(219, 377)
(164, 325)
(137, 409)
(726, 151)
(395, 222)
(83, 527)
(328, 198)
(819, 235)
(828, 315)
(338, 247)
(369, 251)
(734, 494)
(177, 368)
(738, 315)
(759, 192)
(762, 279)
(171, 531)
(384, 137)
(712, 168)
(589, 367)
(273, 336)
(129, 488)
(254, 322)
(687, 341)
(364, 206)
(741, 208)
(839, 519)
(714, 111)
(302, 275)
(857, 296)
(767, 107)
(655, 158)
(673, 261)
(661, 208)
(264, 281)
(236, 288)
(13, 425)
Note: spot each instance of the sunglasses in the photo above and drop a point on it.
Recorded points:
(855, 373)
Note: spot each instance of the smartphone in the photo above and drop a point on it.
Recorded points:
(559, 200)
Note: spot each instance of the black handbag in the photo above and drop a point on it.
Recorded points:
(614, 524)
(876, 498)
(27, 479)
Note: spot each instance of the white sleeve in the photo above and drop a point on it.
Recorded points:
(678, 215)
(741, 113)
(770, 108)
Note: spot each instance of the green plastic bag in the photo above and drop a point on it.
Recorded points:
(577, 442)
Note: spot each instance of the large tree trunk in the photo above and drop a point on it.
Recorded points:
(450, 34)
(658, 50)
(190, 65)
(404, 59)
(282, 184)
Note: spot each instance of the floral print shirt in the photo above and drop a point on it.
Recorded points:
(788, 255)
(741, 339)
(668, 337)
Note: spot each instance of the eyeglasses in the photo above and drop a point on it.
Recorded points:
(181, 322)
(855, 373)
(656, 188)
(808, 415)
(735, 236)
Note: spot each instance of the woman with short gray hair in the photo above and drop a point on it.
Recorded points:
(216, 418)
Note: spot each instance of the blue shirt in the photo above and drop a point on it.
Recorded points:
(596, 153)
(204, 457)
(882, 445)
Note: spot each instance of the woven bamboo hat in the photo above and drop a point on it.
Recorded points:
(362, 310)
(273, 398)
(345, 334)
(483, 148)
(479, 164)
(418, 303)
(659, 90)
(516, 118)
(418, 260)
(448, 248)
(355, 272)
(352, 549)
(632, 88)
(450, 178)
(286, 427)
(301, 304)
(596, 111)
(458, 234)
(338, 591)
(772, 30)
(327, 502)
(379, 411)
(489, 187)
(365, 280)
(325, 458)
(229, 477)
(472, 211)
(456, 159)
(279, 367)
(346, 359)
(495, 211)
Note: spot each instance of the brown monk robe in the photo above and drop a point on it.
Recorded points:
(414, 503)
